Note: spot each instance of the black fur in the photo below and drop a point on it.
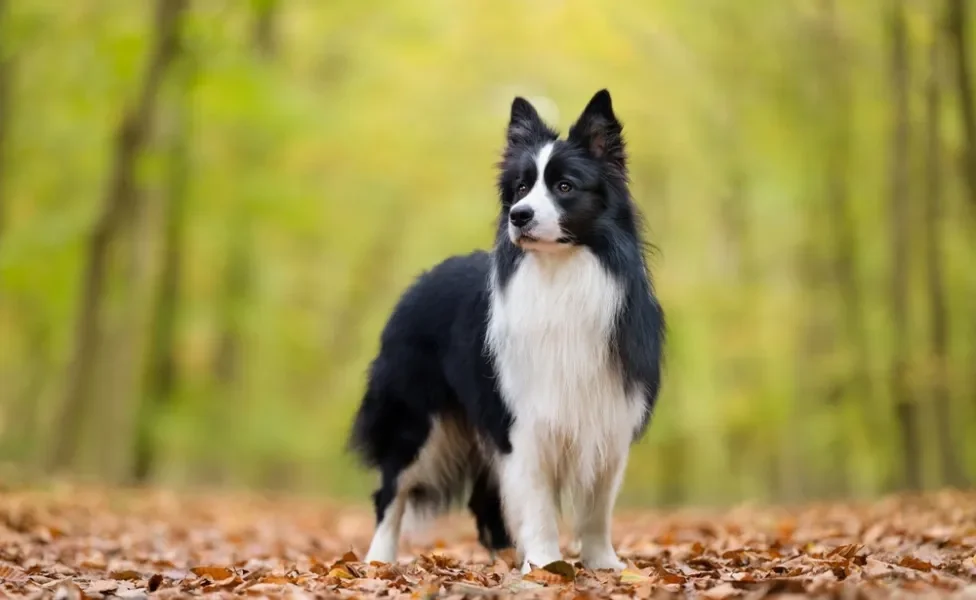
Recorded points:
(431, 363)
(432, 360)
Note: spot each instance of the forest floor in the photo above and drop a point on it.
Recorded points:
(77, 543)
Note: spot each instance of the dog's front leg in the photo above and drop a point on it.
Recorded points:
(595, 515)
(529, 499)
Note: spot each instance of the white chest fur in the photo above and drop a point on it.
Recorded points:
(549, 332)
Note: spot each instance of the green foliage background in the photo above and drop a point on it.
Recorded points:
(359, 149)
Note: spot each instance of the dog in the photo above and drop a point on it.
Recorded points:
(518, 378)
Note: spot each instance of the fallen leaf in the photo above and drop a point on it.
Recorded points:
(562, 568)
(722, 590)
(227, 582)
(126, 575)
(214, 573)
(95, 564)
(915, 563)
(103, 585)
(341, 572)
(629, 576)
(12, 573)
(847, 551)
(672, 578)
(154, 582)
(923, 544)
(68, 591)
(545, 577)
(474, 590)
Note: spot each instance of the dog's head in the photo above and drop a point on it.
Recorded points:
(557, 193)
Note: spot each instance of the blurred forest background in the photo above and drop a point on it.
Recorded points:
(208, 207)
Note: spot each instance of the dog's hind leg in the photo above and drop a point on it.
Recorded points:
(390, 507)
(486, 506)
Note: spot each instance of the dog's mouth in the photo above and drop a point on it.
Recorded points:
(529, 242)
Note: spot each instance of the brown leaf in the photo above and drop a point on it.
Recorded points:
(920, 544)
(103, 585)
(785, 586)
(916, 563)
(126, 575)
(96, 564)
(319, 568)
(154, 582)
(469, 589)
(388, 571)
(702, 564)
(561, 568)
(672, 578)
(847, 551)
(545, 577)
(162, 564)
(631, 577)
(228, 583)
(428, 590)
(68, 591)
(257, 573)
(214, 573)
(340, 572)
(441, 561)
(11, 573)
(786, 528)
(722, 590)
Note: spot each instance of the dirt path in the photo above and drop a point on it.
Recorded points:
(73, 543)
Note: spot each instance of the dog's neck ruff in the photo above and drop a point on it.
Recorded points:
(550, 334)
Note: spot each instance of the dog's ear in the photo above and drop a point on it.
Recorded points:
(599, 131)
(524, 122)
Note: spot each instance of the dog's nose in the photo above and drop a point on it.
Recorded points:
(521, 215)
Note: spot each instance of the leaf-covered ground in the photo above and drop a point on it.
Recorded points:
(81, 543)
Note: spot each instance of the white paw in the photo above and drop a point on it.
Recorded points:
(607, 560)
(383, 555)
(575, 547)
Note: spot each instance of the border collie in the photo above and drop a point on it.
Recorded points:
(518, 379)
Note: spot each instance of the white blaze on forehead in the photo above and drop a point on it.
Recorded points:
(545, 223)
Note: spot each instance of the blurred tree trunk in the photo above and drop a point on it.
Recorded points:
(815, 386)
(958, 29)
(276, 473)
(237, 273)
(374, 274)
(905, 408)
(265, 32)
(161, 376)
(5, 93)
(120, 196)
(674, 463)
(236, 287)
(952, 471)
(738, 369)
(855, 384)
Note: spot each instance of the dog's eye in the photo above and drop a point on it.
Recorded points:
(522, 190)
(564, 187)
